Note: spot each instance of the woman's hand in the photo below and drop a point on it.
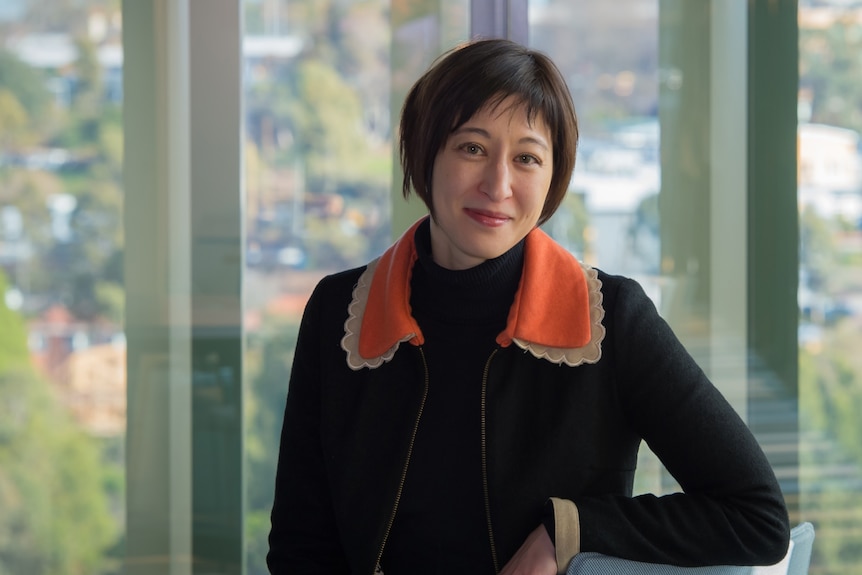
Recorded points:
(536, 556)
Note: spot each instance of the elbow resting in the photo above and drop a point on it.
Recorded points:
(772, 533)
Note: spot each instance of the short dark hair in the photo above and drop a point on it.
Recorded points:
(466, 79)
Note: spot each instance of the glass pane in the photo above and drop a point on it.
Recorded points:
(830, 280)
(609, 55)
(323, 89)
(625, 68)
(62, 346)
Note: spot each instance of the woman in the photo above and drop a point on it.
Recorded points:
(473, 400)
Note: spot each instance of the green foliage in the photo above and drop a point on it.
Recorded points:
(95, 137)
(837, 515)
(334, 244)
(270, 354)
(60, 501)
(269, 357)
(830, 399)
(14, 354)
(13, 118)
(55, 517)
(24, 83)
(256, 534)
(326, 117)
(569, 224)
(830, 64)
(92, 133)
(110, 299)
(110, 145)
(816, 245)
(88, 90)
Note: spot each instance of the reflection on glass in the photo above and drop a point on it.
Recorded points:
(323, 89)
(609, 55)
(318, 177)
(830, 280)
(62, 350)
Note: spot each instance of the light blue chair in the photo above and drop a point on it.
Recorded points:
(597, 564)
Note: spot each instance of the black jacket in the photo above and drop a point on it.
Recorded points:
(551, 431)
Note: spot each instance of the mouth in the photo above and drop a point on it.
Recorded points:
(487, 218)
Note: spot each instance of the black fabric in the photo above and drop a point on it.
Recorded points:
(552, 431)
(442, 505)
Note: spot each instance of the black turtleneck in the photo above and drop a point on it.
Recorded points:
(440, 526)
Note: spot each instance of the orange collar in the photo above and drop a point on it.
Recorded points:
(551, 307)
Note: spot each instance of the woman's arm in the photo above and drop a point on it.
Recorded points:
(303, 538)
(731, 510)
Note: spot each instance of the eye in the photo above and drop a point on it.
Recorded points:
(528, 159)
(472, 149)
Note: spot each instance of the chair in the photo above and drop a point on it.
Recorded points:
(796, 563)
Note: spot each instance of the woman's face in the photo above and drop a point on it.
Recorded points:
(489, 185)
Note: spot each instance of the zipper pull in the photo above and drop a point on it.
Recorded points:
(378, 570)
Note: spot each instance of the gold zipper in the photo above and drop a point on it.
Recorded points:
(378, 570)
(485, 463)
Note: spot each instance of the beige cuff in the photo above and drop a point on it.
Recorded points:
(567, 532)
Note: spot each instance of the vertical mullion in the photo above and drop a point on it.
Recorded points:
(518, 25)
(215, 116)
(157, 284)
(728, 199)
(488, 18)
(499, 19)
(773, 228)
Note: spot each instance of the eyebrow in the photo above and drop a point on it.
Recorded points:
(486, 134)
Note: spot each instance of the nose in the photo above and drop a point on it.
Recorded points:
(496, 180)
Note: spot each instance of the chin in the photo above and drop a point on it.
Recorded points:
(489, 253)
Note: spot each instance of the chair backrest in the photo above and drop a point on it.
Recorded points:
(802, 542)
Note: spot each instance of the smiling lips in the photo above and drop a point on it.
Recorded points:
(487, 218)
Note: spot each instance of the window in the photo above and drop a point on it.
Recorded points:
(62, 376)
(182, 182)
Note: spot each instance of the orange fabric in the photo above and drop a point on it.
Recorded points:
(551, 306)
(387, 318)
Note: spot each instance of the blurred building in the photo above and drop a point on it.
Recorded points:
(830, 171)
(86, 364)
(91, 383)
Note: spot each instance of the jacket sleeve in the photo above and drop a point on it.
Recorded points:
(731, 510)
(303, 537)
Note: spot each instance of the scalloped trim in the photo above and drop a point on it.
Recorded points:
(590, 353)
(353, 325)
(572, 357)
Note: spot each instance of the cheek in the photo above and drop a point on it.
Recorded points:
(539, 204)
(541, 196)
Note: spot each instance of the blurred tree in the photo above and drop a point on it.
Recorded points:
(88, 76)
(569, 224)
(364, 44)
(830, 66)
(29, 191)
(25, 83)
(309, 18)
(14, 354)
(816, 253)
(326, 120)
(13, 119)
(110, 143)
(269, 356)
(55, 517)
